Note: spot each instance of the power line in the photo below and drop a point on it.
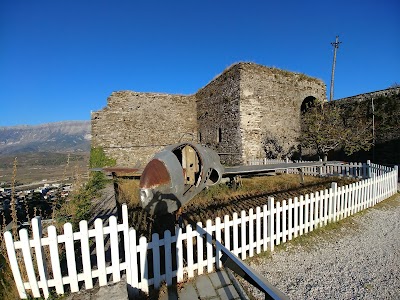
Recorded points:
(335, 47)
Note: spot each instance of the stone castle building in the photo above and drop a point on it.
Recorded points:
(248, 111)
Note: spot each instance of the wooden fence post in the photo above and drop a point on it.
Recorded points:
(189, 238)
(258, 230)
(55, 259)
(296, 217)
(284, 226)
(332, 201)
(156, 260)
(368, 169)
(70, 254)
(290, 219)
(235, 234)
(85, 252)
(287, 161)
(100, 252)
(40, 257)
(306, 212)
(243, 234)
(179, 254)
(320, 169)
(271, 220)
(265, 227)
(168, 253)
(8, 238)
(27, 256)
(217, 244)
(277, 222)
(251, 232)
(301, 214)
(200, 249)
(144, 267)
(209, 246)
(227, 233)
(127, 249)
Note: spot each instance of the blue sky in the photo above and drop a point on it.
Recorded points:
(61, 59)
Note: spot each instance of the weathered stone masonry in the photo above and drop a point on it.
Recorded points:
(218, 115)
(386, 113)
(236, 114)
(271, 102)
(133, 126)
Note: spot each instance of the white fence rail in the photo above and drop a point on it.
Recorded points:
(190, 251)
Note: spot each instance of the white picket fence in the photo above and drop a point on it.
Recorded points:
(192, 250)
(352, 169)
(83, 252)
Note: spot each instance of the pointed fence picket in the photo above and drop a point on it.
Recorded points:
(189, 251)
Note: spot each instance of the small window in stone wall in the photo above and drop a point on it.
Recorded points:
(219, 135)
(199, 137)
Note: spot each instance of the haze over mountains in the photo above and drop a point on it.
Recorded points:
(60, 137)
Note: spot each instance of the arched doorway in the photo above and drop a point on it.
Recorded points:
(307, 103)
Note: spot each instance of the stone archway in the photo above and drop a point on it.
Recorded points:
(307, 103)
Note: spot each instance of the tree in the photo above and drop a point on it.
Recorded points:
(274, 149)
(325, 127)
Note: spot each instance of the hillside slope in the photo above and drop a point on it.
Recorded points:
(68, 136)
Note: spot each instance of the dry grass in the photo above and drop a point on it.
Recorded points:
(128, 189)
(258, 186)
(8, 289)
(128, 192)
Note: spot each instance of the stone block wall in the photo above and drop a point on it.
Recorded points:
(270, 109)
(384, 107)
(134, 126)
(371, 95)
(386, 111)
(218, 115)
(240, 113)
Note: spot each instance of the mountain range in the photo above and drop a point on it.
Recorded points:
(59, 137)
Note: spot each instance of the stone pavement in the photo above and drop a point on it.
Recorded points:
(219, 285)
(109, 292)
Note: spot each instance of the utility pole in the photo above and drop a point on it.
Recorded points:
(335, 47)
(373, 129)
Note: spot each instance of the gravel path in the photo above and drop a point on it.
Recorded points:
(358, 260)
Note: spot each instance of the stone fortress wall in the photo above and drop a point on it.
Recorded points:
(371, 95)
(133, 126)
(384, 105)
(241, 113)
(271, 102)
(384, 108)
(218, 115)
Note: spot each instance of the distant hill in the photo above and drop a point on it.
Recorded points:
(59, 137)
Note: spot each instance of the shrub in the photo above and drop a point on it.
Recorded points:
(98, 159)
